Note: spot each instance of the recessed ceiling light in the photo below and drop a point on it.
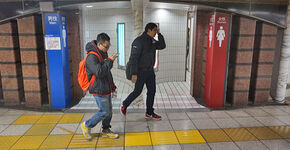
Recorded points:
(89, 6)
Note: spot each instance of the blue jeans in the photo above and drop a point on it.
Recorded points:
(104, 114)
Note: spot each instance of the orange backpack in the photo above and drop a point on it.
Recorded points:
(82, 75)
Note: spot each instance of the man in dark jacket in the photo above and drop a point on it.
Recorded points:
(141, 69)
(101, 86)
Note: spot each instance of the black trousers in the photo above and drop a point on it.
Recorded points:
(148, 78)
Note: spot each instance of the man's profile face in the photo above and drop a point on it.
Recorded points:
(104, 46)
(152, 32)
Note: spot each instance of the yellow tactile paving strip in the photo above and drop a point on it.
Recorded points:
(38, 136)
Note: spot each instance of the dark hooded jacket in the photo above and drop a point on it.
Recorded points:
(143, 52)
(103, 84)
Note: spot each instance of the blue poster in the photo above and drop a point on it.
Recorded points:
(58, 59)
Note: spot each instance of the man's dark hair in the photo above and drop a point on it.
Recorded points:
(150, 26)
(102, 37)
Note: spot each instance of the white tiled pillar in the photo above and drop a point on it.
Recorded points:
(284, 64)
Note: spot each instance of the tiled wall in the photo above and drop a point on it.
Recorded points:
(96, 21)
(173, 27)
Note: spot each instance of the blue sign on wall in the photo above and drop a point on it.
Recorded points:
(58, 59)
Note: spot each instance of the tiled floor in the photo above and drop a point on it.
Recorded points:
(169, 96)
(257, 128)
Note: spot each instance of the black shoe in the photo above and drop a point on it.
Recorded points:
(153, 116)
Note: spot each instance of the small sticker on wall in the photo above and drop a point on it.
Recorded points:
(52, 43)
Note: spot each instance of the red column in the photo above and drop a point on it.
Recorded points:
(216, 60)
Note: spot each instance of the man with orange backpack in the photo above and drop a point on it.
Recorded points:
(101, 85)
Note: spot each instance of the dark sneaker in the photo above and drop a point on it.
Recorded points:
(107, 133)
(153, 116)
(123, 110)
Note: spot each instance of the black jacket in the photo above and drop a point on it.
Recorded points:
(143, 52)
(103, 83)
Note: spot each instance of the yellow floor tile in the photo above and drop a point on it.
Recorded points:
(215, 135)
(40, 129)
(163, 138)
(189, 136)
(56, 141)
(107, 142)
(47, 119)
(79, 141)
(137, 139)
(240, 134)
(283, 131)
(71, 118)
(27, 119)
(7, 141)
(29, 142)
(264, 133)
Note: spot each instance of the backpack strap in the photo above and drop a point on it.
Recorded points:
(98, 55)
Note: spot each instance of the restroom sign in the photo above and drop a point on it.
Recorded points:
(216, 60)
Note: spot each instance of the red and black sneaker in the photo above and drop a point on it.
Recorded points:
(153, 116)
(123, 110)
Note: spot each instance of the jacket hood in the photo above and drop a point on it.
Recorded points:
(91, 47)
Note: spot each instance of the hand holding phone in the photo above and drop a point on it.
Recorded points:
(114, 56)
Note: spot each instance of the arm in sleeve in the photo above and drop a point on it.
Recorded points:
(136, 51)
(98, 69)
(161, 42)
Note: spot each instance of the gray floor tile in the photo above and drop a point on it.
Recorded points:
(198, 146)
(248, 122)
(58, 129)
(138, 148)
(159, 126)
(15, 130)
(136, 127)
(118, 117)
(223, 146)
(177, 116)
(277, 144)
(256, 112)
(218, 114)
(275, 111)
(198, 115)
(182, 124)
(285, 119)
(3, 111)
(140, 117)
(14, 112)
(237, 113)
(205, 124)
(8, 119)
(118, 127)
(227, 123)
(270, 121)
(167, 147)
(251, 145)
(3, 126)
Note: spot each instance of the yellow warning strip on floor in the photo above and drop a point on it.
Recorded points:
(27, 119)
(32, 140)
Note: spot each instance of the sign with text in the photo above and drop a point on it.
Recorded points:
(58, 59)
(216, 60)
